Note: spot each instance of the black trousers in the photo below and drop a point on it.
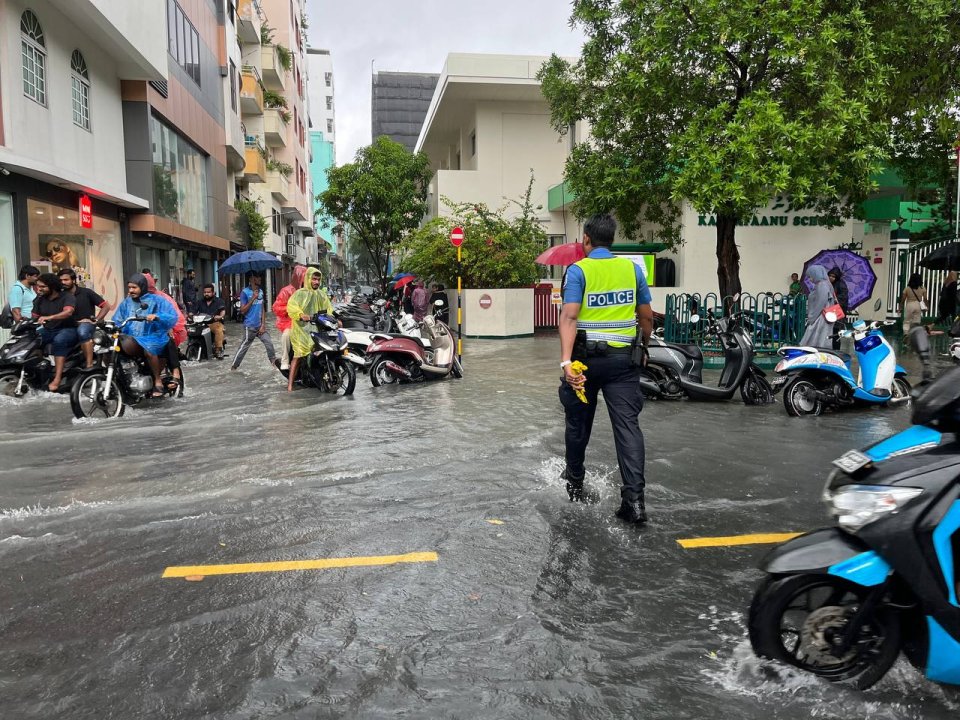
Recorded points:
(618, 380)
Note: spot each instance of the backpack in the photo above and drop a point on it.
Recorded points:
(6, 317)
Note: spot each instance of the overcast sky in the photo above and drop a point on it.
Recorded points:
(416, 36)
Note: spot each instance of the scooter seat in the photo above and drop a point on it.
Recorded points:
(691, 351)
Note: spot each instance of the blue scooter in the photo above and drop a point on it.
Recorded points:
(813, 379)
(842, 602)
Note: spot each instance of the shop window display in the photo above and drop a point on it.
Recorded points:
(57, 241)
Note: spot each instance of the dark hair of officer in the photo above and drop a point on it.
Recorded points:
(70, 272)
(601, 229)
(51, 281)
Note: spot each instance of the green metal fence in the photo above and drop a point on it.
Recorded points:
(774, 319)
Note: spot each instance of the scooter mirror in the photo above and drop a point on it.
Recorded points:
(877, 305)
(831, 317)
(736, 297)
(694, 318)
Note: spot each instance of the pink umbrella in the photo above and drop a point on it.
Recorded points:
(566, 254)
(404, 281)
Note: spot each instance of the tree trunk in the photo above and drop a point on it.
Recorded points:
(728, 256)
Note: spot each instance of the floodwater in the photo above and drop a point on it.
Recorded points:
(535, 608)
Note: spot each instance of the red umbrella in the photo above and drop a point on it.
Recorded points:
(566, 254)
(403, 281)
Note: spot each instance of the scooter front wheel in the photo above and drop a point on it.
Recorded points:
(8, 385)
(800, 398)
(900, 389)
(755, 390)
(799, 619)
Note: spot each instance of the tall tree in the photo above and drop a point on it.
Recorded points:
(728, 104)
(380, 197)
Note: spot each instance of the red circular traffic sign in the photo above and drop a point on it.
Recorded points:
(456, 237)
(485, 301)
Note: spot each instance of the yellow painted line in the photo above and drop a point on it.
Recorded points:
(731, 540)
(285, 566)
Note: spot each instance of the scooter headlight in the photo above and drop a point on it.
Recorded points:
(855, 506)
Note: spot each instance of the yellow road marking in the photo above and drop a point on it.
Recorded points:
(320, 564)
(730, 540)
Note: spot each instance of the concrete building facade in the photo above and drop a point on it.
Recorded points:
(322, 94)
(488, 127)
(399, 103)
(65, 196)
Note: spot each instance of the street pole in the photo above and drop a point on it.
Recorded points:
(459, 307)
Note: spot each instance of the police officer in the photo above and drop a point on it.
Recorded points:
(606, 313)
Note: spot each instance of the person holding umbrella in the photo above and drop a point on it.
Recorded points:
(821, 297)
(947, 307)
(835, 275)
(254, 327)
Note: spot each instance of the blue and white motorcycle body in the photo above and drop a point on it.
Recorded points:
(842, 602)
(813, 379)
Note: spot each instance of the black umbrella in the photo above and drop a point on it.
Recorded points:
(943, 258)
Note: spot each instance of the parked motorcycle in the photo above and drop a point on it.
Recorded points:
(813, 379)
(674, 371)
(404, 359)
(200, 338)
(327, 367)
(123, 380)
(26, 364)
(842, 602)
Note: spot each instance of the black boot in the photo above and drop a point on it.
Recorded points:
(574, 485)
(632, 512)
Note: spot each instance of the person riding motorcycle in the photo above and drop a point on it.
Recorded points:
(280, 310)
(148, 338)
(301, 307)
(178, 333)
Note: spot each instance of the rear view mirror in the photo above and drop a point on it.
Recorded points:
(877, 305)
(736, 297)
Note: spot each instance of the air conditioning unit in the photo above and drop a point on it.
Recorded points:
(291, 244)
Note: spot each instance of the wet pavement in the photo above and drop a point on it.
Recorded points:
(535, 607)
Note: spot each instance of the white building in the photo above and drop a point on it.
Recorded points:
(62, 131)
(488, 126)
(323, 107)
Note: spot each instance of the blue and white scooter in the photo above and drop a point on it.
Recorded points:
(816, 378)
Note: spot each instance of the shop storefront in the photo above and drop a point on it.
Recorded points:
(59, 240)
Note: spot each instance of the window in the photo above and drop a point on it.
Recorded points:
(179, 177)
(233, 86)
(329, 102)
(80, 79)
(277, 225)
(328, 79)
(330, 126)
(184, 43)
(34, 56)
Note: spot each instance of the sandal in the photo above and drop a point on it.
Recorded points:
(157, 392)
(172, 384)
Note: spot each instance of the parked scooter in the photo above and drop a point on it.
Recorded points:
(404, 359)
(327, 367)
(674, 371)
(25, 363)
(842, 602)
(813, 379)
(124, 380)
(200, 339)
(359, 340)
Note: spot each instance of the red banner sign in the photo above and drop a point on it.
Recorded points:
(86, 212)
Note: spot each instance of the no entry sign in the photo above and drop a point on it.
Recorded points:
(456, 237)
(485, 301)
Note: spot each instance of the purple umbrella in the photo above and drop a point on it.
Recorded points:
(857, 273)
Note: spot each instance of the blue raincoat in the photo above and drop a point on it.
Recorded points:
(151, 336)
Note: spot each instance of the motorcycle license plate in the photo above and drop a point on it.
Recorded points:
(778, 381)
(851, 461)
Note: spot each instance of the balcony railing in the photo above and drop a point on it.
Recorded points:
(251, 92)
(250, 17)
(274, 128)
(255, 169)
(274, 75)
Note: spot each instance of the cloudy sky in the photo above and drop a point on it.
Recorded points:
(416, 35)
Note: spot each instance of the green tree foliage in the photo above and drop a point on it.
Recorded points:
(727, 104)
(497, 251)
(251, 223)
(379, 198)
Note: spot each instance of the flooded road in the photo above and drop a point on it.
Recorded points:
(534, 608)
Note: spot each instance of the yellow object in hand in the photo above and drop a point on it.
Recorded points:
(577, 368)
